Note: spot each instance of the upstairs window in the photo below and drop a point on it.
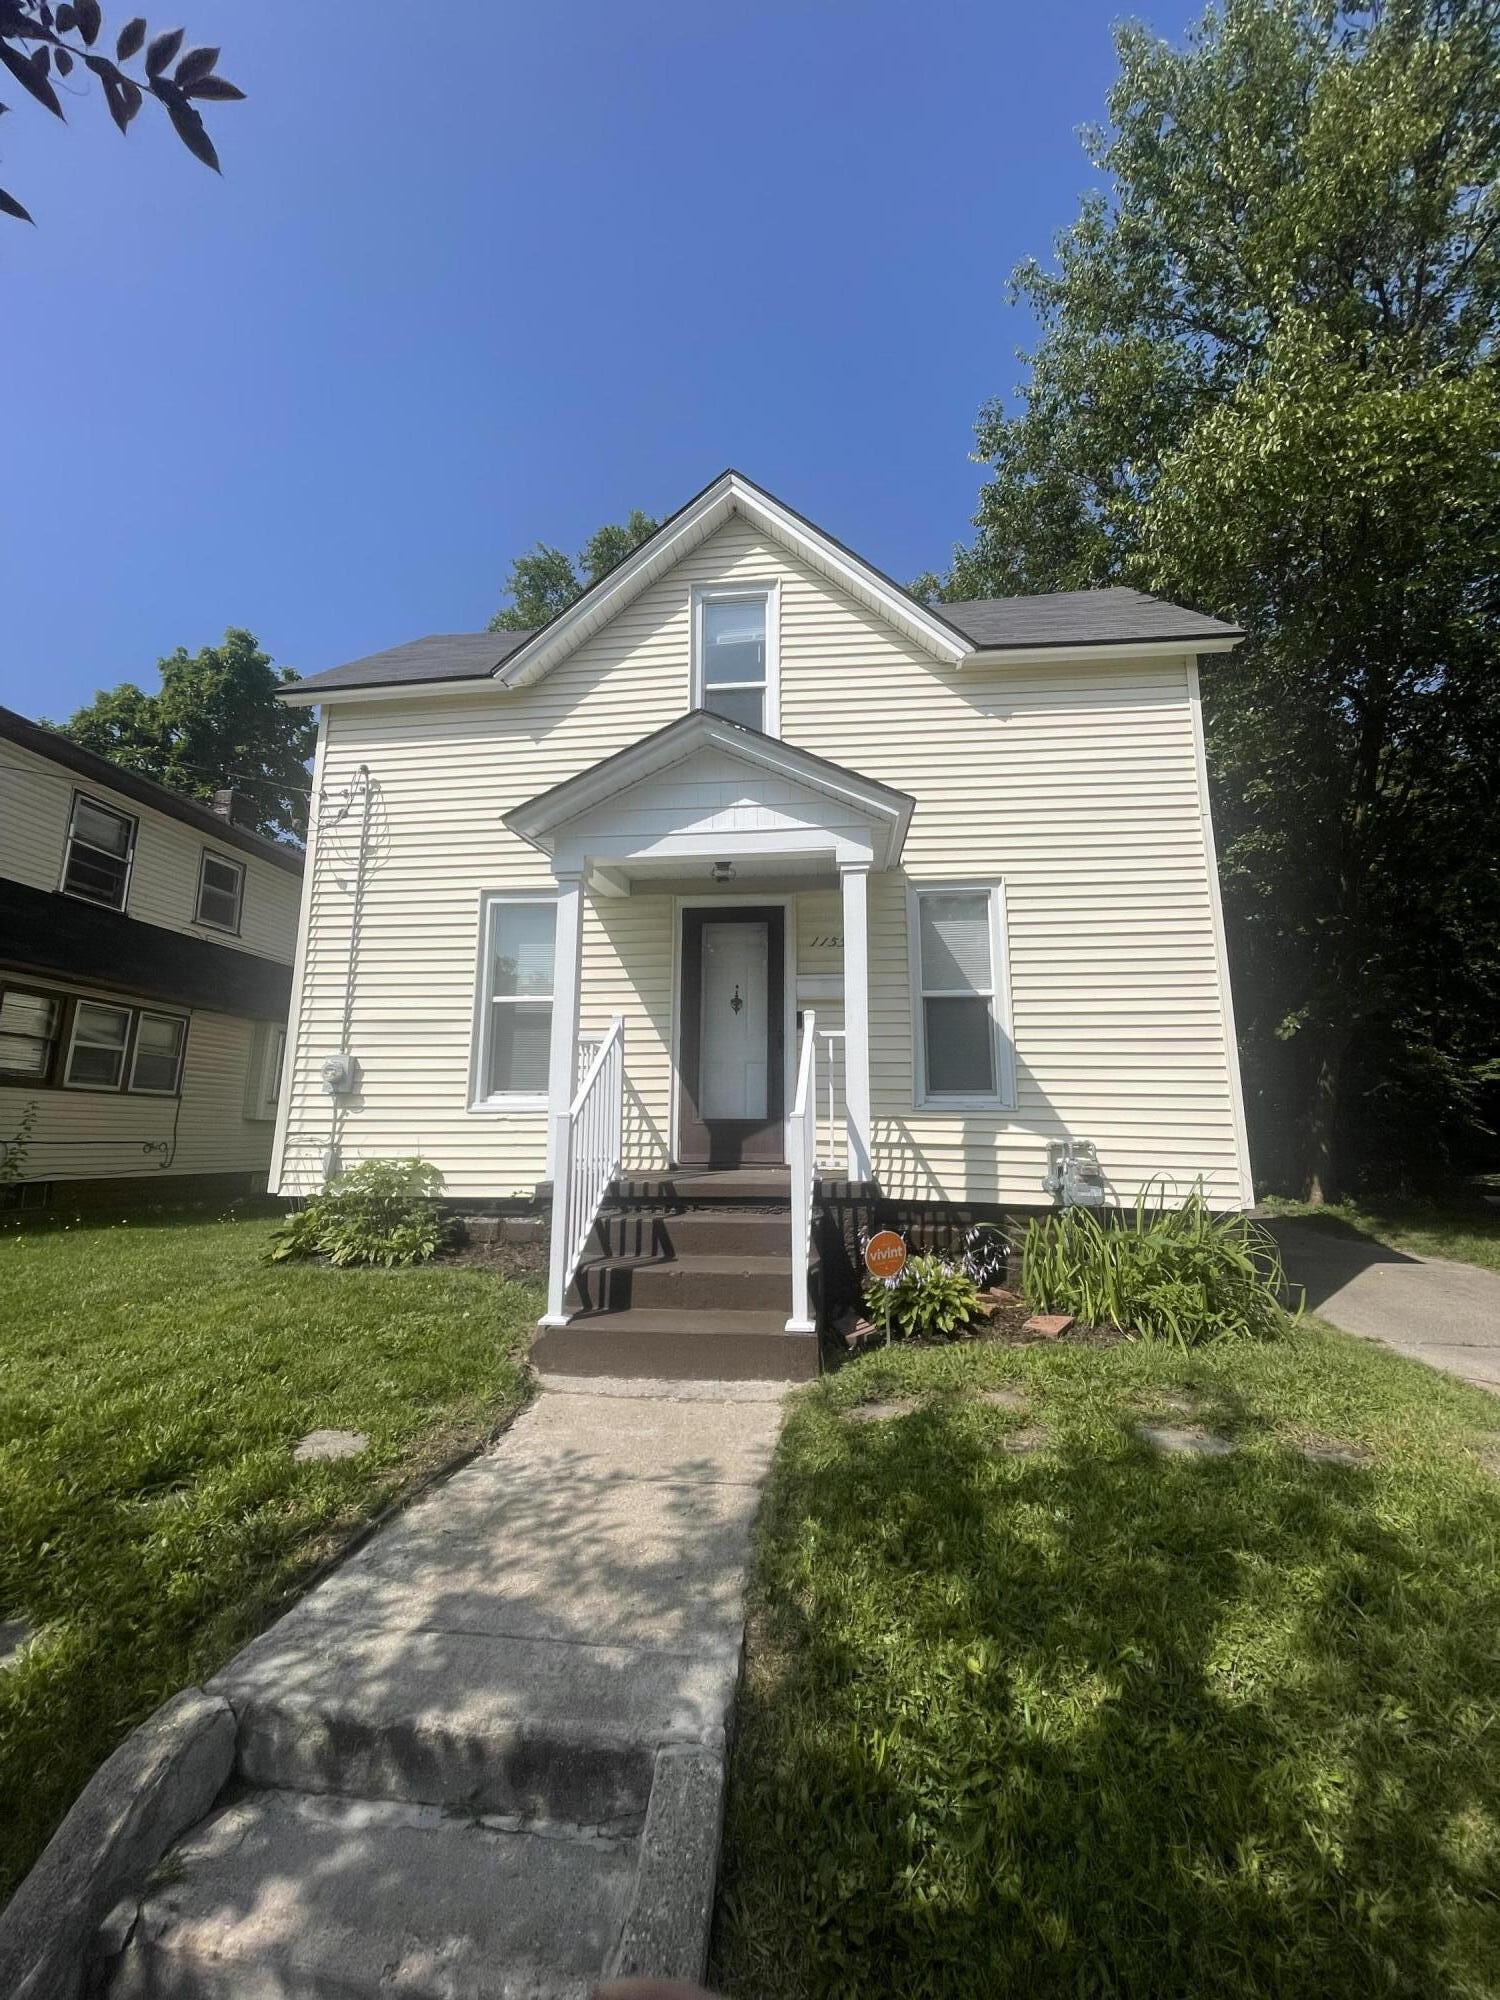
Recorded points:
(100, 844)
(734, 655)
(515, 1024)
(959, 1002)
(221, 890)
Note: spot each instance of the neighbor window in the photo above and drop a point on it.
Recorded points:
(100, 844)
(734, 673)
(221, 888)
(29, 1024)
(96, 1054)
(157, 1057)
(263, 1079)
(961, 1035)
(515, 1023)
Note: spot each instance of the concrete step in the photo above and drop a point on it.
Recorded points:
(716, 1231)
(711, 1284)
(663, 1344)
(474, 1721)
(277, 1896)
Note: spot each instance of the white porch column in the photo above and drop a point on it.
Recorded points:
(852, 880)
(562, 1076)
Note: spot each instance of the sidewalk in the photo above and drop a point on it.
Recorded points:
(451, 1751)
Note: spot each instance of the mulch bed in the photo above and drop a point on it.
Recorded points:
(505, 1260)
(1005, 1326)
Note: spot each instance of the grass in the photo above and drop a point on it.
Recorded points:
(1092, 1721)
(153, 1379)
(1466, 1229)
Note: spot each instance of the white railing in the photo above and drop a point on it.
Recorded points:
(829, 1154)
(588, 1048)
(588, 1144)
(802, 1151)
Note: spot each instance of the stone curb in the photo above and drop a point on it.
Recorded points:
(161, 1780)
(666, 1929)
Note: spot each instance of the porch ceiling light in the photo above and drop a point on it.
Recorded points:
(723, 871)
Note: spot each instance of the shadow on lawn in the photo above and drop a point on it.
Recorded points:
(1094, 1722)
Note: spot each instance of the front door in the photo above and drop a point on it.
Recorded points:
(733, 1039)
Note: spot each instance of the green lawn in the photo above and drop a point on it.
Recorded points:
(1466, 1228)
(1088, 1721)
(153, 1379)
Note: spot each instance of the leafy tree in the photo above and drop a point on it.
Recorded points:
(40, 42)
(545, 581)
(214, 723)
(1266, 383)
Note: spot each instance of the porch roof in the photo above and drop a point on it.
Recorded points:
(820, 802)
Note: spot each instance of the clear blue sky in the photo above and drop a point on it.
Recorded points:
(483, 274)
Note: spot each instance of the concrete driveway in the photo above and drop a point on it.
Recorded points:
(1439, 1312)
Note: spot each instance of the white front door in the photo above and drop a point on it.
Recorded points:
(733, 1041)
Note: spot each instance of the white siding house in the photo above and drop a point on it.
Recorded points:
(972, 841)
(145, 957)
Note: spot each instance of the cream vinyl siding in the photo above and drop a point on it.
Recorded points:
(1075, 786)
(36, 801)
(101, 1135)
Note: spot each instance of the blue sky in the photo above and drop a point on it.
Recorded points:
(483, 274)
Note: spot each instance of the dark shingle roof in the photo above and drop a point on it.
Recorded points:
(447, 656)
(60, 749)
(1115, 617)
(1065, 618)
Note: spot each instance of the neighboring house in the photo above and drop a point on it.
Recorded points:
(744, 785)
(145, 968)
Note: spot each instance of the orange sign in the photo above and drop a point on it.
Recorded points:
(885, 1254)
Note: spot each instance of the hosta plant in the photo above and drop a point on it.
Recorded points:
(380, 1212)
(1180, 1274)
(931, 1298)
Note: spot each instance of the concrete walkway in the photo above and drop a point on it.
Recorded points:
(1443, 1313)
(493, 1740)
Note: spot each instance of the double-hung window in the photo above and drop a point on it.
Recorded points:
(515, 1006)
(221, 890)
(29, 1028)
(99, 1043)
(959, 1000)
(100, 844)
(156, 1058)
(734, 654)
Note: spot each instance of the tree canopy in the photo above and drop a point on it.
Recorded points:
(214, 723)
(1265, 384)
(546, 580)
(41, 42)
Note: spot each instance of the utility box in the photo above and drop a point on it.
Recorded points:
(341, 1074)
(1074, 1176)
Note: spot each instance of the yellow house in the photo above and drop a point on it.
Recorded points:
(751, 885)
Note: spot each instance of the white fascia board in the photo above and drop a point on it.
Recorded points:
(1067, 655)
(728, 495)
(317, 697)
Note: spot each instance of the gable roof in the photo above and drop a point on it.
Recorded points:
(1076, 619)
(537, 819)
(101, 771)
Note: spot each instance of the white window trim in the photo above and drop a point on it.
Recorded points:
(502, 1102)
(210, 923)
(114, 1007)
(267, 1073)
(150, 1090)
(130, 819)
(769, 590)
(1001, 1027)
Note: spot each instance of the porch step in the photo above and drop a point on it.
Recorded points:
(706, 1184)
(671, 1344)
(653, 1231)
(277, 1896)
(738, 1283)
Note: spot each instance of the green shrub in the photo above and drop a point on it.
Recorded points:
(930, 1297)
(1177, 1274)
(380, 1212)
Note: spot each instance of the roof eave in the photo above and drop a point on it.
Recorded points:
(1065, 651)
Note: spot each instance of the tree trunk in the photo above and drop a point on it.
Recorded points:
(1322, 1180)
